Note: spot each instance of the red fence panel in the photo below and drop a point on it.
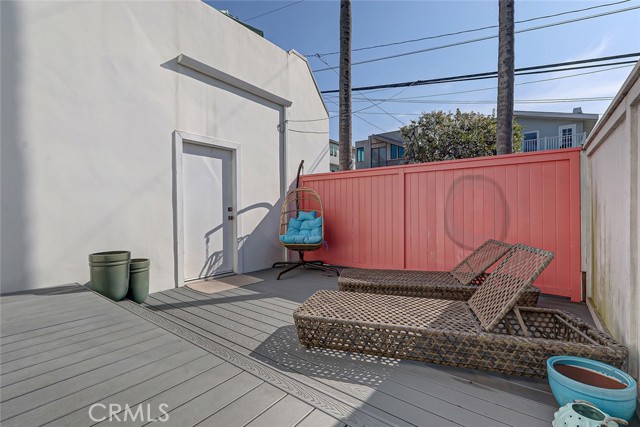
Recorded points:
(429, 216)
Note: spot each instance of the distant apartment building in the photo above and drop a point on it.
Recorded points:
(551, 131)
(383, 149)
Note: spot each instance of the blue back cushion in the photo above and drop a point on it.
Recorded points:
(306, 229)
(303, 215)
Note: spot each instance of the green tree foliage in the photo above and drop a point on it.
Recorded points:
(447, 136)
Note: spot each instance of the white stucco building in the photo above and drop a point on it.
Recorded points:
(156, 127)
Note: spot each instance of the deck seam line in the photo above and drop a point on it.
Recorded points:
(225, 315)
(115, 316)
(137, 384)
(64, 355)
(124, 327)
(217, 349)
(364, 385)
(78, 390)
(397, 382)
(82, 373)
(213, 388)
(66, 366)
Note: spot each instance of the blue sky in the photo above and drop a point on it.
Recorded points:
(312, 27)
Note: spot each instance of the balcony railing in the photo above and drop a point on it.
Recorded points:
(554, 142)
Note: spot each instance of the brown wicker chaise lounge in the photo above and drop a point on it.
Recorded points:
(458, 284)
(488, 332)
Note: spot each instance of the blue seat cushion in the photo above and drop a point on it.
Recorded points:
(303, 230)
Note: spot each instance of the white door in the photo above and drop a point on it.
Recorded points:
(567, 135)
(207, 211)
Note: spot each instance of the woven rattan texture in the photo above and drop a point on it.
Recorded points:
(508, 282)
(391, 310)
(420, 284)
(479, 260)
(320, 324)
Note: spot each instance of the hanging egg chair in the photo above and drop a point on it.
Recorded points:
(301, 227)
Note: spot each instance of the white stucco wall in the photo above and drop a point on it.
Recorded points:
(613, 218)
(91, 97)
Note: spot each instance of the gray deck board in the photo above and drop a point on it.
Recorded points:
(210, 402)
(76, 359)
(39, 357)
(97, 392)
(32, 324)
(413, 391)
(55, 392)
(286, 412)
(339, 404)
(182, 394)
(147, 389)
(319, 419)
(47, 330)
(96, 324)
(103, 361)
(233, 359)
(246, 408)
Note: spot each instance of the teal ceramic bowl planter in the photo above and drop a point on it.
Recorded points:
(615, 394)
(109, 272)
(139, 279)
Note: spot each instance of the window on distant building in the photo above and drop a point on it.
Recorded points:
(333, 150)
(379, 157)
(397, 152)
(360, 154)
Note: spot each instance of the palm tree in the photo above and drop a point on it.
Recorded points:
(345, 85)
(506, 60)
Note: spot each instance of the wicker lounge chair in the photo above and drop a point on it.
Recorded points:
(488, 332)
(458, 284)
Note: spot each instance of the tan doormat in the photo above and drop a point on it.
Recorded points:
(212, 286)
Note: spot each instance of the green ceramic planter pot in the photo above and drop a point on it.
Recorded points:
(139, 279)
(110, 273)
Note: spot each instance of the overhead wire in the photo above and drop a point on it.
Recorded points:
(455, 93)
(464, 42)
(493, 74)
(470, 30)
(495, 87)
(375, 105)
(274, 10)
(517, 101)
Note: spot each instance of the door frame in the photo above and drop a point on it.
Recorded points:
(179, 139)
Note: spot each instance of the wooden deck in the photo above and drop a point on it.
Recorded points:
(228, 359)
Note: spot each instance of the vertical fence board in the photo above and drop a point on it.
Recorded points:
(430, 216)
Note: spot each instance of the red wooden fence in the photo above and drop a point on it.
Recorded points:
(430, 216)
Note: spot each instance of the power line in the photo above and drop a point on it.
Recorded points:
(375, 105)
(471, 30)
(493, 74)
(274, 10)
(517, 101)
(383, 58)
(495, 87)
(355, 115)
(452, 93)
(306, 131)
